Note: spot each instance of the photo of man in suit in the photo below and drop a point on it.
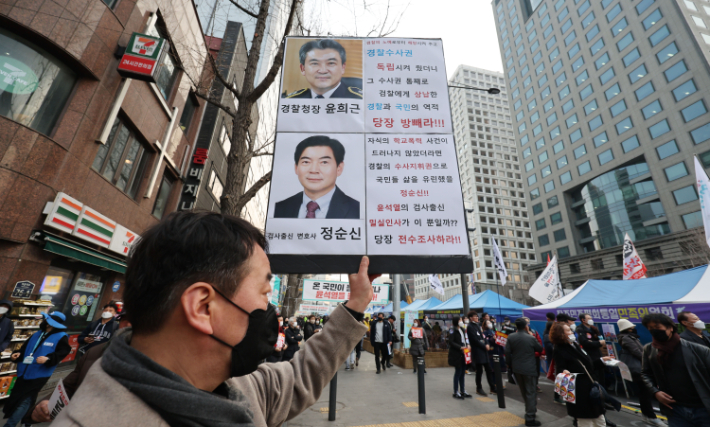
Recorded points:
(319, 162)
(323, 66)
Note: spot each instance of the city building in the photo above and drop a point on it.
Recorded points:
(492, 186)
(608, 110)
(88, 158)
(208, 166)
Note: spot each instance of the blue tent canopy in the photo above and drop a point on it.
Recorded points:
(486, 301)
(422, 304)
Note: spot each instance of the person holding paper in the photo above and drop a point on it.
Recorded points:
(36, 361)
(381, 339)
(100, 330)
(458, 346)
(479, 354)
(418, 343)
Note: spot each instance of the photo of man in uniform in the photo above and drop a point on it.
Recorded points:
(319, 162)
(323, 66)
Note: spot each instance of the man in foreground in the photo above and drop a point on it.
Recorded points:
(677, 373)
(196, 294)
(381, 337)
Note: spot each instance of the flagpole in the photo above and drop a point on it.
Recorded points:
(500, 310)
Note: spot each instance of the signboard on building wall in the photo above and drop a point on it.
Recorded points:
(365, 161)
(22, 289)
(325, 290)
(142, 57)
(71, 216)
(193, 179)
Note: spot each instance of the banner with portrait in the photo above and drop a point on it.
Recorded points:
(365, 161)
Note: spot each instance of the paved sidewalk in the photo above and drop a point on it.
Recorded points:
(390, 398)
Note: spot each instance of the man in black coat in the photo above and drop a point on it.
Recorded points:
(694, 329)
(309, 328)
(479, 353)
(588, 337)
(520, 355)
(380, 338)
(293, 339)
(677, 373)
(319, 162)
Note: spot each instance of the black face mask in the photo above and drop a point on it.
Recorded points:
(43, 326)
(659, 335)
(258, 343)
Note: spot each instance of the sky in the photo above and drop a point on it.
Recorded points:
(466, 27)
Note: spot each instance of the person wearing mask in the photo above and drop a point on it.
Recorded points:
(100, 330)
(520, 356)
(458, 341)
(631, 354)
(694, 328)
(493, 323)
(677, 373)
(278, 353)
(571, 358)
(418, 346)
(395, 338)
(309, 328)
(538, 354)
(568, 320)
(381, 337)
(7, 326)
(479, 354)
(507, 328)
(592, 342)
(470, 367)
(36, 361)
(293, 340)
(546, 337)
(485, 317)
(197, 286)
(40, 412)
(490, 334)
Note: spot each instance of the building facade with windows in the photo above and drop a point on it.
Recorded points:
(492, 185)
(608, 110)
(89, 159)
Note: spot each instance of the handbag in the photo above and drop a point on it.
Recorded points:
(598, 394)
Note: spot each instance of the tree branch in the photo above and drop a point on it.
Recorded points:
(217, 104)
(251, 192)
(262, 154)
(269, 79)
(227, 85)
(243, 9)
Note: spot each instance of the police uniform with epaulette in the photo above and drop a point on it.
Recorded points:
(349, 88)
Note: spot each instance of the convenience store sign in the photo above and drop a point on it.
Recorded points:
(71, 216)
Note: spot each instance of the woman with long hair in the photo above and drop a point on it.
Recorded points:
(418, 345)
(571, 358)
(458, 341)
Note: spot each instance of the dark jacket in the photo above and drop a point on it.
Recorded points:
(520, 353)
(697, 361)
(308, 331)
(7, 328)
(456, 346)
(341, 206)
(75, 378)
(349, 88)
(690, 336)
(589, 340)
(293, 338)
(386, 332)
(571, 358)
(479, 354)
(106, 332)
(631, 350)
(419, 345)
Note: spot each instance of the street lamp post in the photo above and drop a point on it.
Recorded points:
(491, 90)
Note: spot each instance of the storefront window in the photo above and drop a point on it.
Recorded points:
(34, 86)
(82, 300)
(56, 285)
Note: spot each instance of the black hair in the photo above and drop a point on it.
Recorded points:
(321, 44)
(472, 313)
(378, 314)
(563, 317)
(521, 323)
(550, 315)
(455, 320)
(113, 305)
(484, 315)
(320, 141)
(584, 316)
(683, 316)
(184, 248)
(659, 319)
(392, 317)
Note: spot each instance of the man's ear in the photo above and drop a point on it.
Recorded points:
(303, 70)
(341, 166)
(195, 302)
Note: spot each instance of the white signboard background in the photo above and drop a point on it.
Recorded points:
(328, 290)
(406, 163)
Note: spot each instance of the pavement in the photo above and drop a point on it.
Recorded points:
(390, 400)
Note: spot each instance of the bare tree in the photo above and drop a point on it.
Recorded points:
(240, 187)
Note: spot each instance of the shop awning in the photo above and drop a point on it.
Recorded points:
(62, 247)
